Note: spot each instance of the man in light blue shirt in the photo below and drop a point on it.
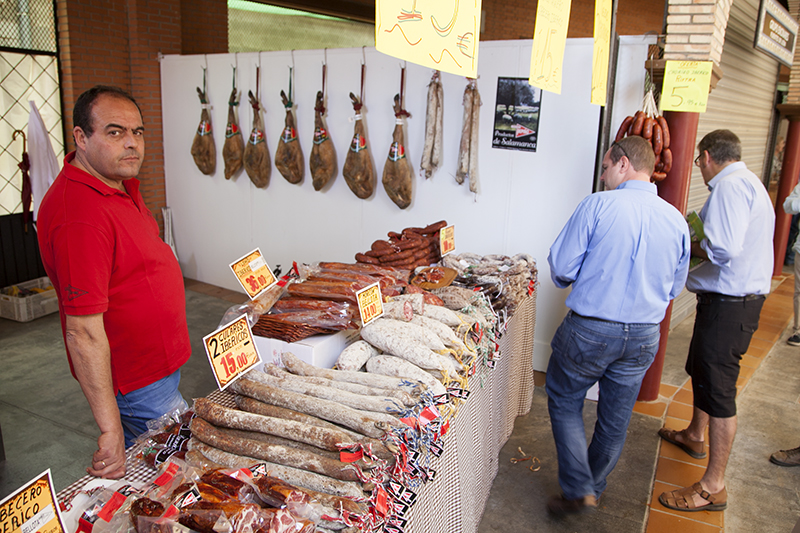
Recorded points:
(731, 285)
(626, 254)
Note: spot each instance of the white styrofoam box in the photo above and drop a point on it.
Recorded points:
(317, 350)
(27, 308)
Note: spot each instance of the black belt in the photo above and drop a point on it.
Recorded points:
(708, 297)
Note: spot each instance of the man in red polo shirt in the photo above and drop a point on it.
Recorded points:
(120, 289)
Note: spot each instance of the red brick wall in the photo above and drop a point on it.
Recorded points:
(514, 19)
(118, 43)
(204, 27)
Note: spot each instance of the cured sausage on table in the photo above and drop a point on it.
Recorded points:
(203, 149)
(323, 155)
(256, 154)
(289, 155)
(397, 175)
(358, 171)
(233, 148)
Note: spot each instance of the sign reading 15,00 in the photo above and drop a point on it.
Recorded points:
(231, 351)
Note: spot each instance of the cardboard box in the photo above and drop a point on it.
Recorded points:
(317, 350)
(27, 308)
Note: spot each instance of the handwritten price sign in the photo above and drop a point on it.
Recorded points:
(447, 239)
(686, 86)
(231, 351)
(253, 273)
(370, 303)
(602, 36)
(32, 508)
(549, 41)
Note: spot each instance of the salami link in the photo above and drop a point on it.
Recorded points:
(218, 438)
(366, 423)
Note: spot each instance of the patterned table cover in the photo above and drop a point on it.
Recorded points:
(454, 501)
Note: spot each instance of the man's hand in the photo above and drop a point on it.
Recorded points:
(109, 459)
(698, 251)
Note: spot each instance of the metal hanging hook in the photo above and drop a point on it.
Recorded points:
(24, 140)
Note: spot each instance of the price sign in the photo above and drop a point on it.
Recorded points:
(686, 86)
(447, 239)
(602, 36)
(370, 303)
(253, 273)
(231, 351)
(33, 508)
(549, 41)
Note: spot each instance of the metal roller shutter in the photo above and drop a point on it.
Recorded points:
(743, 102)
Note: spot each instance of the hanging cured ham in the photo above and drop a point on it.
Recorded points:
(289, 156)
(203, 150)
(323, 155)
(358, 171)
(233, 149)
(256, 154)
(397, 174)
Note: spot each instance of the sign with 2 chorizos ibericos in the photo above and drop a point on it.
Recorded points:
(32, 508)
(370, 303)
(231, 351)
(253, 273)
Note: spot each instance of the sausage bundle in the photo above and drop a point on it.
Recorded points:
(655, 130)
(408, 249)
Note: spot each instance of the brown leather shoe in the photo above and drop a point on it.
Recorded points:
(694, 448)
(559, 505)
(786, 457)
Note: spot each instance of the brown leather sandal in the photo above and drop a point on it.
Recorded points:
(681, 499)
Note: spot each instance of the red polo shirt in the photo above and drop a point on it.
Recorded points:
(102, 251)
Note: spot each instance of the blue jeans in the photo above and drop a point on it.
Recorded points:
(147, 403)
(587, 351)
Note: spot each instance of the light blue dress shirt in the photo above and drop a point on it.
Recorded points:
(739, 223)
(792, 206)
(626, 254)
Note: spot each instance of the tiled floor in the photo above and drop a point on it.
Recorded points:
(675, 469)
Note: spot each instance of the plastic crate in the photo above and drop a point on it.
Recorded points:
(27, 308)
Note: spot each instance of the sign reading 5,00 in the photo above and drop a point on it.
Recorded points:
(253, 273)
(231, 351)
(686, 86)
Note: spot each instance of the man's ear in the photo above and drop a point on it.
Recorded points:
(80, 137)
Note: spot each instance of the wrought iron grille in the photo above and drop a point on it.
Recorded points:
(28, 25)
(25, 77)
(254, 27)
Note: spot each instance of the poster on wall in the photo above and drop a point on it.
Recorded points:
(516, 115)
(439, 35)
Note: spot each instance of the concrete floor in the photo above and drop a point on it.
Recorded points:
(46, 423)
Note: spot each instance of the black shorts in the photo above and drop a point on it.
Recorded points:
(722, 333)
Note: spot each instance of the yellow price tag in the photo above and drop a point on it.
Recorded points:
(231, 351)
(686, 86)
(602, 37)
(447, 239)
(253, 273)
(439, 35)
(32, 508)
(549, 41)
(370, 303)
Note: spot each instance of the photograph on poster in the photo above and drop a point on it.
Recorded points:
(516, 115)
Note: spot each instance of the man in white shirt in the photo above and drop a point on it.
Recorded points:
(731, 285)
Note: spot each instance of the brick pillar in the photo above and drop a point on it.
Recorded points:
(695, 32)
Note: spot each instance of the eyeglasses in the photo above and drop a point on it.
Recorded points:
(697, 160)
(623, 150)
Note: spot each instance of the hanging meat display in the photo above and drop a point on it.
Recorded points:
(256, 155)
(289, 156)
(654, 129)
(434, 126)
(203, 150)
(323, 155)
(468, 149)
(233, 149)
(358, 171)
(398, 177)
